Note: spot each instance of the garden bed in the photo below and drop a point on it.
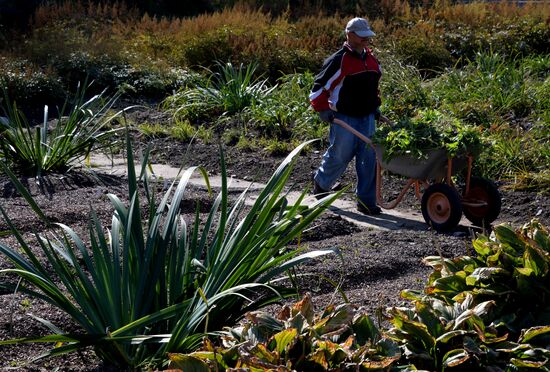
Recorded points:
(376, 266)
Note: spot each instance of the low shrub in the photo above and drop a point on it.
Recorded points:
(516, 152)
(511, 38)
(285, 114)
(424, 49)
(402, 88)
(30, 86)
(489, 310)
(146, 79)
(226, 91)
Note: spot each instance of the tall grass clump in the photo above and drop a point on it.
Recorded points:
(506, 89)
(56, 146)
(402, 88)
(285, 114)
(225, 91)
(153, 282)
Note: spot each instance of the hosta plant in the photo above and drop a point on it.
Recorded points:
(490, 310)
(55, 146)
(428, 129)
(154, 281)
(438, 336)
(512, 268)
(341, 338)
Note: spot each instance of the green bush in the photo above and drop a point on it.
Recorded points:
(286, 114)
(427, 52)
(142, 80)
(206, 49)
(491, 310)
(227, 91)
(510, 37)
(29, 86)
(499, 88)
(402, 88)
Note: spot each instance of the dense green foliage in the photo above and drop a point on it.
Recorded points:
(491, 309)
(339, 338)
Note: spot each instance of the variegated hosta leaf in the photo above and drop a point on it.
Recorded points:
(473, 316)
(530, 363)
(446, 337)
(319, 358)
(365, 329)
(482, 274)
(304, 307)
(536, 260)
(341, 316)
(412, 330)
(284, 339)
(455, 357)
(187, 363)
(534, 333)
(506, 236)
(379, 364)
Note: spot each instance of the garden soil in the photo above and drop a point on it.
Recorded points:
(374, 265)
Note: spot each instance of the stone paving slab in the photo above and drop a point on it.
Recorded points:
(389, 219)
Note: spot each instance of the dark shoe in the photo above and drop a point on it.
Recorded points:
(318, 191)
(370, 211)
(337, 187)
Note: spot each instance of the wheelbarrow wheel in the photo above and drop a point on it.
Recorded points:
(484, 191)
(441, 207)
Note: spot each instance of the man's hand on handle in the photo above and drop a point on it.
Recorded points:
(327, 116)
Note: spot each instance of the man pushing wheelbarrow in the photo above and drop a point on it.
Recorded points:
(347, 89)
(346, 94)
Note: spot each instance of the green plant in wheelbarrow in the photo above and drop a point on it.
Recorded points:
(54, 146)
(151, 283)
(433, 147)
(492, 310)
(341, 338)
(428, 129)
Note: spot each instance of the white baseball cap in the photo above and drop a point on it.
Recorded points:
(360, 27)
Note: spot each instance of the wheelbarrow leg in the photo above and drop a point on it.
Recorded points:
(379, 198)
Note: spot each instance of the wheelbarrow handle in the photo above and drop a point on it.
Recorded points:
(352, 130)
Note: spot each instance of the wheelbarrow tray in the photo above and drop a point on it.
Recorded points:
(432, 166)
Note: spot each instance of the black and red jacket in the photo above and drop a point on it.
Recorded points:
(348, 83)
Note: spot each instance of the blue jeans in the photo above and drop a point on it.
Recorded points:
(344, 145)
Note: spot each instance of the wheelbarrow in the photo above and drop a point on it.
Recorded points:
(441, 203)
